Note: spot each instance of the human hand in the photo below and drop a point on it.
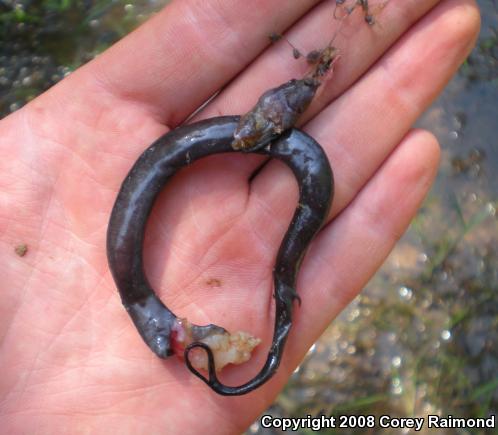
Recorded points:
(72, 360)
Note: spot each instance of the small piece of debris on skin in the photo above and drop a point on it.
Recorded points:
(21, 250)
(213, 282)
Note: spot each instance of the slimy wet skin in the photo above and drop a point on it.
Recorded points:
(209, 347)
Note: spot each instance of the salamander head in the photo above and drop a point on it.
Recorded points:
(277, 110)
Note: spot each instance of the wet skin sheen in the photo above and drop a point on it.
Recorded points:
(173, 151)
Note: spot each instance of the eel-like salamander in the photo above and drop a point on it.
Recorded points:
(268, 130)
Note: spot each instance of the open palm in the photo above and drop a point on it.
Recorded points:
(71, 359)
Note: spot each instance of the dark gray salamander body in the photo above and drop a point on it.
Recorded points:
(173, 151)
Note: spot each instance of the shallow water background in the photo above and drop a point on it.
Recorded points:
(422, 338)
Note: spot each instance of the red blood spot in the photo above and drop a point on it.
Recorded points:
(178, 347)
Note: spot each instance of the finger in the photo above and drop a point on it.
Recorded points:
(361, 128)
(349, 251)
(359, 44)
(190, 49)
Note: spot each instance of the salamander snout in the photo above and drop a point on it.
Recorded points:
(277, 110)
